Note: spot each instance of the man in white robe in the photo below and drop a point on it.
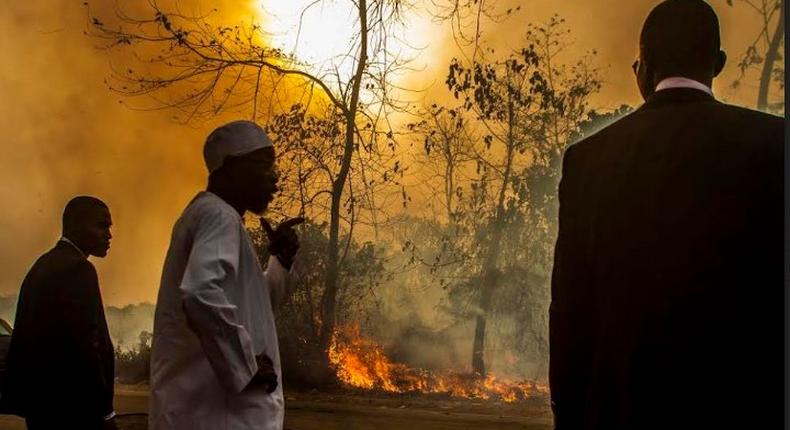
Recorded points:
(215, 362)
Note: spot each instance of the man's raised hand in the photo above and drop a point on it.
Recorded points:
(283, 241)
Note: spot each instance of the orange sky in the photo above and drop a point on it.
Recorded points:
(66, 134)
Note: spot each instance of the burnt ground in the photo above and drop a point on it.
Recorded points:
(350, 410)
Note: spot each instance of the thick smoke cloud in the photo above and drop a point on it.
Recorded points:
(65, 133)
(611, 28)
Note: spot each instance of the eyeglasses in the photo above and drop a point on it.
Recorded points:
(635, 66)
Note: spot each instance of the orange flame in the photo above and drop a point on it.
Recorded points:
(361, 363)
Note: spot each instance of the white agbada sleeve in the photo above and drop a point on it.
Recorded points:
(280, 280)
(213, 266)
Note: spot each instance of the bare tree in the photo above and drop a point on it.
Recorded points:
(201, 69)
(525, 107)
(467, 19)
(765, 52)
(446, 140)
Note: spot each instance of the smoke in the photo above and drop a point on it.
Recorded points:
(67, 134)
(609, 27)
(415, 330)
(127, 323)
(8, 307)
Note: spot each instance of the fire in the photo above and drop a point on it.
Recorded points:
(361, 363)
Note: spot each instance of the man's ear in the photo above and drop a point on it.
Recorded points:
(721, 60)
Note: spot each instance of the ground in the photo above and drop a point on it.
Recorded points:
(362, 411)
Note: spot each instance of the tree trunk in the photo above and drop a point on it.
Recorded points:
(489, 278)
(329, 298)
(479, 343)
(770, 58)
(449, 182)
(489, 273)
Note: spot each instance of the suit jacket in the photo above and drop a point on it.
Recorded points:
(61, 358)
(667, 286)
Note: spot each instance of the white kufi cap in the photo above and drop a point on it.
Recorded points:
(234, 138)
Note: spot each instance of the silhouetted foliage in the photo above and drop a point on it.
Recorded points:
(765, 54)
(498, 155)
(299, 317)
(133, 365)
(201, 69)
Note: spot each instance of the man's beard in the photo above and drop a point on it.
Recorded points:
(258, 207)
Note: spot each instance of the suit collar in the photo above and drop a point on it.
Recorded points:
(682, 82)
(677, 96)
(68, 244)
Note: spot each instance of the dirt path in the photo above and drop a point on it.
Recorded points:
(316, 411)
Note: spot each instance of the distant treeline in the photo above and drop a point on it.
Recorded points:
(125, 323)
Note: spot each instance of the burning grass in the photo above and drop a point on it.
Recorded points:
(361, 363)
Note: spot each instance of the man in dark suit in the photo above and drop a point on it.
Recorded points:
(61, 360)
(667, 287)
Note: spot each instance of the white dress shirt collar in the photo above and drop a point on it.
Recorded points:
(681, 82)
(66, 239)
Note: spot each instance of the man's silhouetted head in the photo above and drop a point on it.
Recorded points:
(241, 162)
(680, 38)
(87, 222)
(247, 182)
